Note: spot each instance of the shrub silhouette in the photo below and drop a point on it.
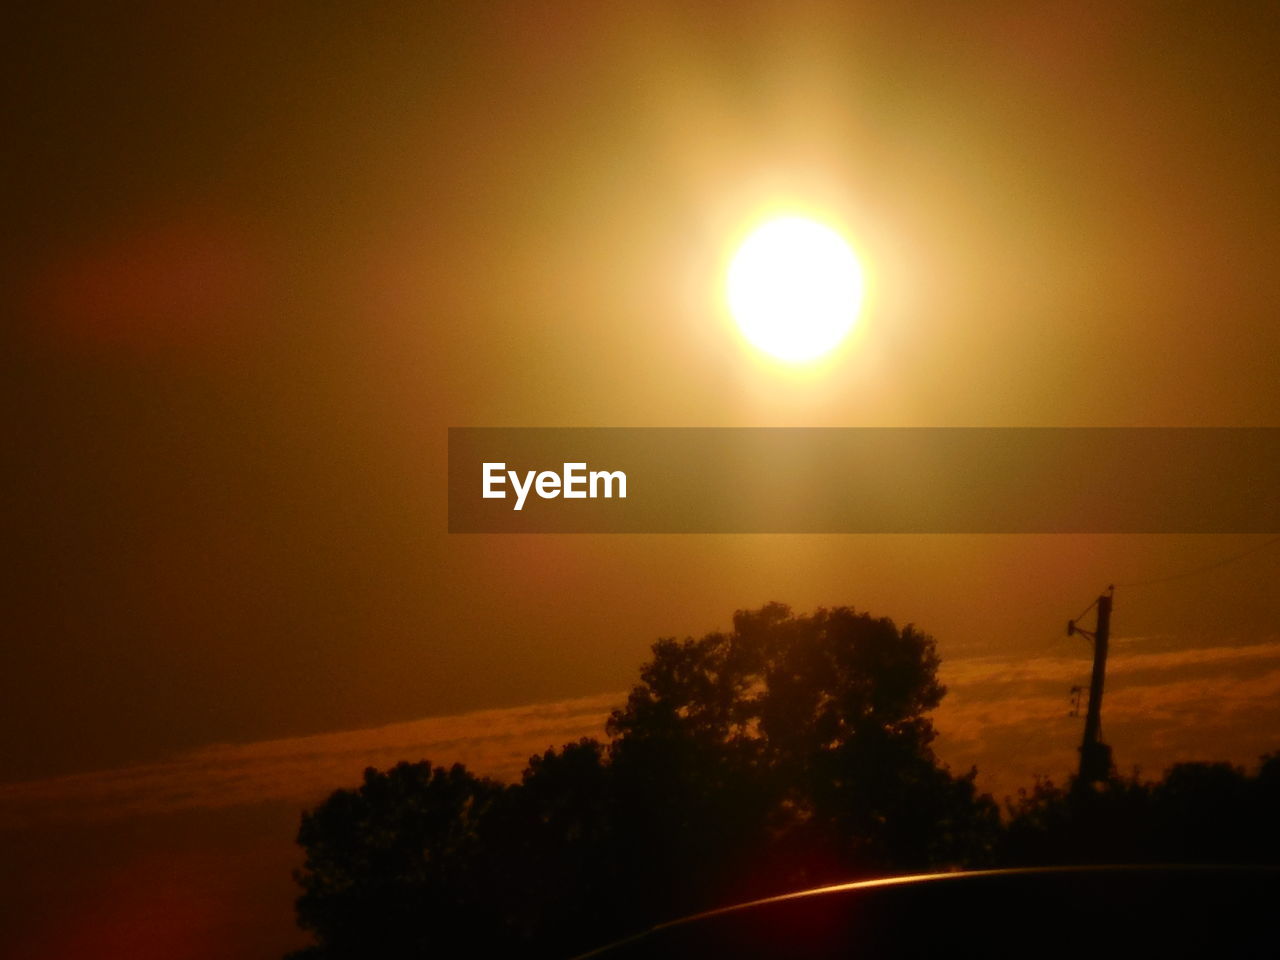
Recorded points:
(1198, 813)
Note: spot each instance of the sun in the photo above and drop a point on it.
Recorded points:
(794, 288)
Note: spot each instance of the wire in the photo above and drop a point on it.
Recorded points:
(1221, 562)
(1201, 569)
(1086, 609)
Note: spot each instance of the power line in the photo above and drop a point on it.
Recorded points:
(1086, 609)
(1202, 569)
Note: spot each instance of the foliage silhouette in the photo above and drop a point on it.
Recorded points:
(1199, 813)
(398, 866)
(790, 751)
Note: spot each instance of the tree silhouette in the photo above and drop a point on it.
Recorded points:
(1199, 813)
(788, 751)
(398, 867)
(792, 750)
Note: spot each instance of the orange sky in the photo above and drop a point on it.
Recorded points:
(258, 261)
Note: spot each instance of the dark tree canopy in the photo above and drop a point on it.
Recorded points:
(803, 739)
(789, 751)
(395, 865)
(1198, 813)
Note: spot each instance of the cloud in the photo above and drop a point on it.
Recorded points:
(1007, 715)
(303, 770)
(1012, 717)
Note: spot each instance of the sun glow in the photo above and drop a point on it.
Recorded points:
(794, 288)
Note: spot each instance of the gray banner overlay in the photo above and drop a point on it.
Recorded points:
(864, 480)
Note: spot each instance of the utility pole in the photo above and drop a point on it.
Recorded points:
(1095, 756)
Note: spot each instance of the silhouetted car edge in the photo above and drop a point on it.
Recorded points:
(1086, 911)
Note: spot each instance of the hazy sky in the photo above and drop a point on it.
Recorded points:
(259, 261)
(258, 258)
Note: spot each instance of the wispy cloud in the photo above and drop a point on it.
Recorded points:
(495, 743)
(1007, 715)
(1011, 717)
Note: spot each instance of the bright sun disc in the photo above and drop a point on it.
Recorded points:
(794, 288)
